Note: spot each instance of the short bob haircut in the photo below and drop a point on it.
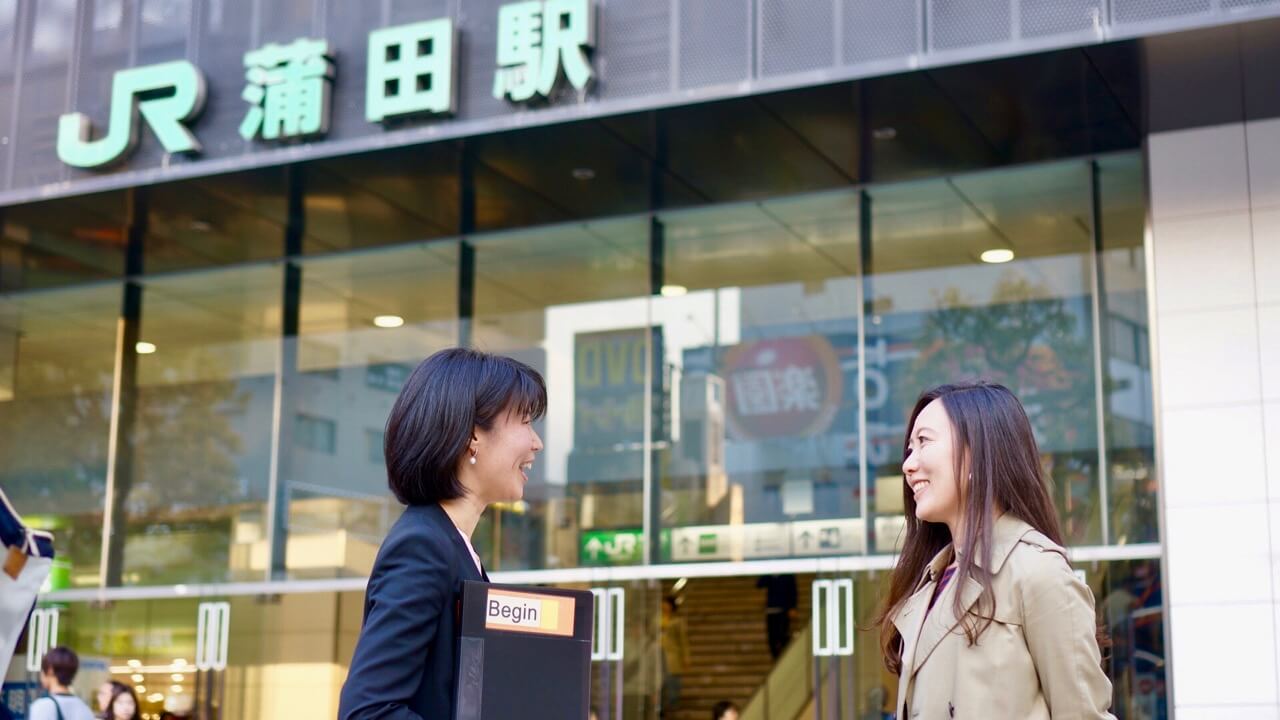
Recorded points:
(449, 395)
(62, 663)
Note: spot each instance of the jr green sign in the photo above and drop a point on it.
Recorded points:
(166, 115)
(410, 71)
(611, 547)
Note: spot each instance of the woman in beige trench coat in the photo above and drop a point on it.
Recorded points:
(985, 618)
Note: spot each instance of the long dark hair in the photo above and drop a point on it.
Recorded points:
(996, 449)
(117, 689)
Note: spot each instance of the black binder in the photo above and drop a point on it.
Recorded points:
(524, 652)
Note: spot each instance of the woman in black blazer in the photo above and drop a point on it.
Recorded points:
(459, 437)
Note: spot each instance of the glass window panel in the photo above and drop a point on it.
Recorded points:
(938, 313)
(57, 358)
(349, 372)
(1130, 403)
(570, 301)
(202, 441)
(216, 221)
(286, 655)
(62, 242)
(756, 436)
(384, 198)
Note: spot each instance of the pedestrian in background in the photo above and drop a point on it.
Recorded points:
(984, 615)
(58, 669)
(779, 603)
(676, 656)
(116, 701)
(725, 710)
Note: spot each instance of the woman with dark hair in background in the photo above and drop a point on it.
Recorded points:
(117, 701)
(459, 438)
(984, 617)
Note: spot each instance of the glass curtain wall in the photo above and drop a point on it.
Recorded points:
(709, 370)
(726, 383)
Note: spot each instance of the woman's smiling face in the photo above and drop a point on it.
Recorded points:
(929, 467)
(504, 456)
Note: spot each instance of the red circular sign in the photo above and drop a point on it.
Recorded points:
(783, 387)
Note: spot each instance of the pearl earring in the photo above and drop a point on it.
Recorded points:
(472, 460)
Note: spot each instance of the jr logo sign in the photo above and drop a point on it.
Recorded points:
(168, 95)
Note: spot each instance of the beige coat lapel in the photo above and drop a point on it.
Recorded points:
(942, 619)
(910, 620)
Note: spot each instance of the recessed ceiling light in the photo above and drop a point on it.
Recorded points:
(996, 256)
(674, 290)
(144, 348)
(388, 321)
(583, 173)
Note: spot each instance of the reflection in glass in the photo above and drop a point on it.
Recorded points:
(286, 655)
(349, 372)
(209, 222)
(569, 301)
(1126, 339)
(757, 451)
(939, 313)
(62, 242)
(57, 357)
(375, 199)
(1129, 597)
(202, 438)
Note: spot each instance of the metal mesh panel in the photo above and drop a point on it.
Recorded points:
(1055, 17)
(1138, 10)
(638, 38)
(715, 37)
(875, 30)
(964, 23)
(477, 59)
(43, 97)
(795, 35)
(408, 11)
(1237, 4)
(347, 24)
(224, 37)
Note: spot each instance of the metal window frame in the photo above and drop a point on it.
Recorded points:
(572, 576)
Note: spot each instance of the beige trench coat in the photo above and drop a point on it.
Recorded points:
(1038, 660)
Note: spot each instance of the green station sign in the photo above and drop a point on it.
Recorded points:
(411, 70)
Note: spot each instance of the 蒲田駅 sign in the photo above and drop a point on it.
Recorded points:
(536, 40)
(166, 115)
(411, 70)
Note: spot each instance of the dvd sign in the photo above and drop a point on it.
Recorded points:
(783, 387)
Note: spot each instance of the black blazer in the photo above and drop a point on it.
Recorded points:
(405, 664)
